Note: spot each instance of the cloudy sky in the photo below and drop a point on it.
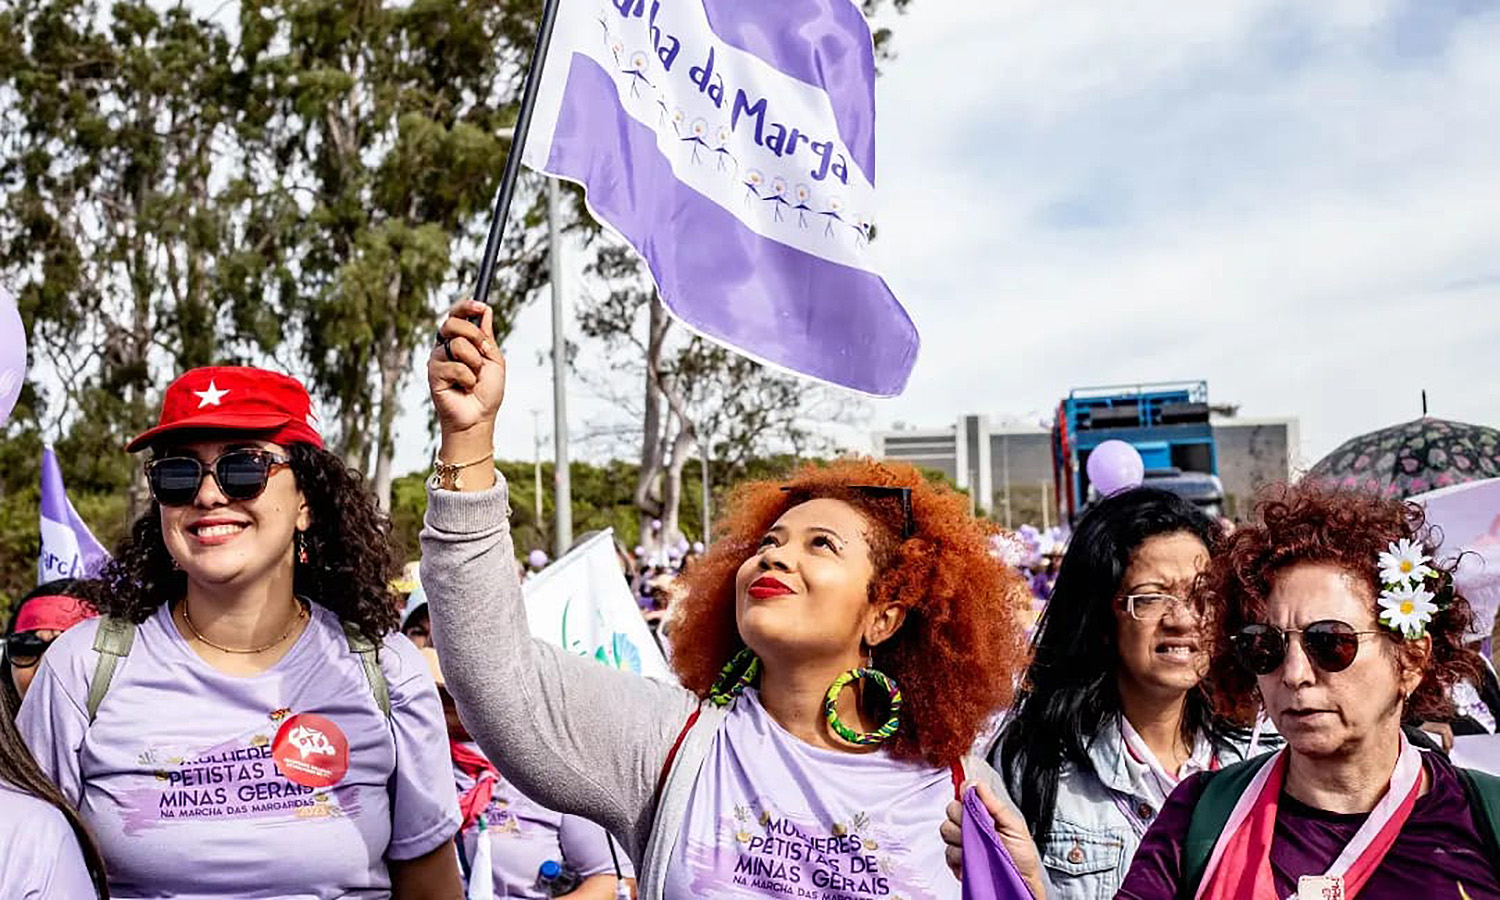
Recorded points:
(1299, 202)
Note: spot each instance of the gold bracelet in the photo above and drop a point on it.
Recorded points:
(445, 475)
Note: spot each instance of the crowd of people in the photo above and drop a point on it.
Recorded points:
(240, 706)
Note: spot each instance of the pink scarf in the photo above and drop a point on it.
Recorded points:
(1240, 866)
(476, 799)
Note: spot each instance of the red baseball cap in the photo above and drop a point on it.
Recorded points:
(236, 398)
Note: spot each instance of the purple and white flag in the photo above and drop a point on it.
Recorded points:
(732, 143)
(69, 549)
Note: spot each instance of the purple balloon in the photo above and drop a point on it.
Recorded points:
(12, 354)
(697, 546)
(1115, 466)
(536, 558)
(656, 524)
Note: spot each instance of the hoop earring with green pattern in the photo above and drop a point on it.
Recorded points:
(867, 738)
(738, 673)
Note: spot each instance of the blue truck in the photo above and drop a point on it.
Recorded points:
(1167, 423)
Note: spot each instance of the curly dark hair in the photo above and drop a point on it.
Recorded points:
(348, 545)
(956, 654)
(1312, 523)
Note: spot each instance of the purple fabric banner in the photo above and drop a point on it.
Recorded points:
(69, 549)
(989, 873)
(732, 145)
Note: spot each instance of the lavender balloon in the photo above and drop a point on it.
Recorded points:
(536, 559)
(12, 354)
(1115, 466)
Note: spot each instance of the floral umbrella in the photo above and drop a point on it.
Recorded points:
(1412, 458)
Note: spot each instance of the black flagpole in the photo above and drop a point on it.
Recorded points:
(513, 156)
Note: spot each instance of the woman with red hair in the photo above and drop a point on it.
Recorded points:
(1331, 614)
(762, 774)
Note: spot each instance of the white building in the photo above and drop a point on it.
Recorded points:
(1007, 467)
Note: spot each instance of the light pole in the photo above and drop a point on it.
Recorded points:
(562, 506)
(707, 497)
(536, 456)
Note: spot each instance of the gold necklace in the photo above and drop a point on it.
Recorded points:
(301, 614)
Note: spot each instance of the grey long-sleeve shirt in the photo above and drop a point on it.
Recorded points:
(576, 736)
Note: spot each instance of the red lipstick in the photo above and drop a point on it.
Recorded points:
(765, 587)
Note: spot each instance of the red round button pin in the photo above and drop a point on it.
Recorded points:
(311, 751)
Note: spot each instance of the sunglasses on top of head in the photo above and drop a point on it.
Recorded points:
(240, 474)
(1331, 645)
(24, 649)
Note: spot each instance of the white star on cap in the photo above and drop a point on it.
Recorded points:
(211, 397)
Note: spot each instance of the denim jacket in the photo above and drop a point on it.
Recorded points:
(1099, 819)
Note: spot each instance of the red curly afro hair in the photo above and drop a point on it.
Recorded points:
(1312, 523)
(956, 654)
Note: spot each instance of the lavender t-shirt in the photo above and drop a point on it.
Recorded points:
(39, 854)
(290, 783)
(523, 835)
(773, 816)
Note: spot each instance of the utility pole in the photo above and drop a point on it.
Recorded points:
(1005, 474)
(562, 506)
(536, 456)
(707, 496)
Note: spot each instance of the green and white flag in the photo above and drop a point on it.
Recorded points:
(582, 603)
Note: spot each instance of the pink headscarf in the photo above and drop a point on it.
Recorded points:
(58, 612)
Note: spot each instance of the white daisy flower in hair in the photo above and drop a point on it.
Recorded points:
(1404, 562)
(1407, 609)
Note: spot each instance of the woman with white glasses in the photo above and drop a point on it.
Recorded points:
(1111, 713)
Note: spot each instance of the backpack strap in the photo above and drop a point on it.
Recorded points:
(1221, 792)
(1484, 798)
(369, 658)
(112, 642)
(666, 767)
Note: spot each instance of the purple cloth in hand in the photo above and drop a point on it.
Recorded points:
(989, 873)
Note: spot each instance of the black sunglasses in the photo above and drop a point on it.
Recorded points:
(908, 524)
(1330, 644)
(24, 649)
(240, 474)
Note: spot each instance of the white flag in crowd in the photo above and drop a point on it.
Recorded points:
(582, 603)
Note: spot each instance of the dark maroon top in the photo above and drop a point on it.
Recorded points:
(1440, 848)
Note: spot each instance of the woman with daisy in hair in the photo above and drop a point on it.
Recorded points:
(1335, 620)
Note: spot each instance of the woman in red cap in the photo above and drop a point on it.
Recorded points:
(244, 721)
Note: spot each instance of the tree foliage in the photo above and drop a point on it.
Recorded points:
(388, 136)
(306, 184)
